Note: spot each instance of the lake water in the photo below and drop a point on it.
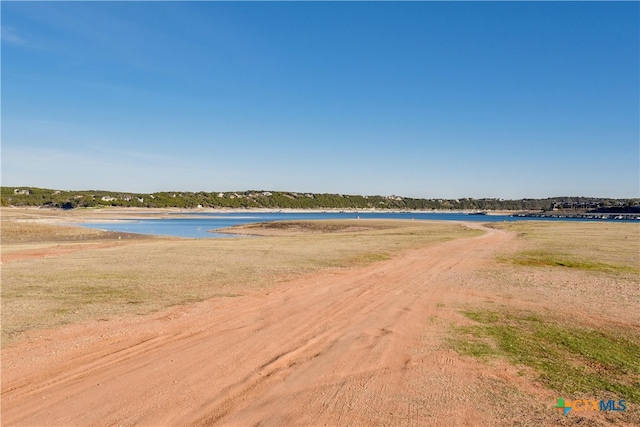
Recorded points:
(198, 224)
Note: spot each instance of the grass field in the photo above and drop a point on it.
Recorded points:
(128, 274)
(570, 312)
(610, 248)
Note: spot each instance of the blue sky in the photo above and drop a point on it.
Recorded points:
(421, 99)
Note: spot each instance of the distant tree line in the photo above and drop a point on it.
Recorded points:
(30, 196)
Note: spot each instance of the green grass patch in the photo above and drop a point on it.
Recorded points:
(368, 258)
(568, 358)
(542, 258)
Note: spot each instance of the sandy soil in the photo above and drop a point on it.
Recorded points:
(358, 346)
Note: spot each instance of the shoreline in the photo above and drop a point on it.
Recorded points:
(124, 214)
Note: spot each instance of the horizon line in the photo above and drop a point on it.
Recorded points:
(314, 193)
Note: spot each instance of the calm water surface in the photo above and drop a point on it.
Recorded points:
(197, 225)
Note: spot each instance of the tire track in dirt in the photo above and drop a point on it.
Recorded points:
(337, 348)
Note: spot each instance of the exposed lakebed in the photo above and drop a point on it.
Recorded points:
(204, 224)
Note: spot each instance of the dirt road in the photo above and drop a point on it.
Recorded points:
(351, 347)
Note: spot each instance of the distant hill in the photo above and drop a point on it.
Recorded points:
(30, 196)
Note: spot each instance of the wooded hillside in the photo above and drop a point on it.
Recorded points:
(29, 196)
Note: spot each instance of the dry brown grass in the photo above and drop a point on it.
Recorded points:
(607, 247)
(22, 232)
(141, 275)
(290, 228)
